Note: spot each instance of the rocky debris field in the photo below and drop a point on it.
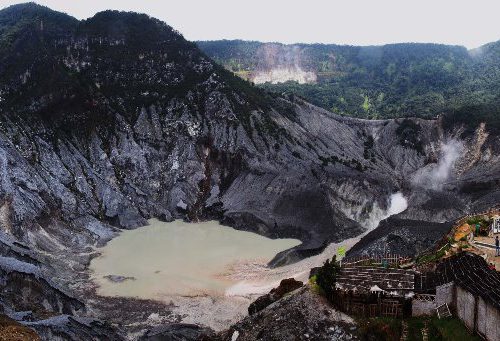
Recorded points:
(300, 315)
(11, 330)
(179, 332)
(401, 236)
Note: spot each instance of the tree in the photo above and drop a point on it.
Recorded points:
(327, 276)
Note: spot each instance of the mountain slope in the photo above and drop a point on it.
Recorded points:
(386, 81)
(108, 122)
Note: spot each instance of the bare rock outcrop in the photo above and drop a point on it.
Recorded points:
(286, 286)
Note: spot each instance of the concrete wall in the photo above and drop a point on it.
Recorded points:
(466, 305)
(488, 316)
(481, 316)
(492, 323)
(444, 294)
(419, 308)
(487, 321)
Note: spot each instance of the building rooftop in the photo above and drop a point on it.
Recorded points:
(364, 279)
(470, 272)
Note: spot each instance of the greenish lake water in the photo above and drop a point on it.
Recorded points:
(178, 258)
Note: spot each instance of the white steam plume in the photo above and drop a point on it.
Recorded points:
(397, 204)
(435, 176)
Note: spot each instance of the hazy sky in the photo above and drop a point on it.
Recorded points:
(356, 22)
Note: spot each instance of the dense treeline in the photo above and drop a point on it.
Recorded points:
(115, 62)
(398, 80)
(472, 114)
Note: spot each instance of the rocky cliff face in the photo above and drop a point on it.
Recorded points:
(108, 122)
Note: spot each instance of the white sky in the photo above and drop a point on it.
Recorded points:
(356, 22)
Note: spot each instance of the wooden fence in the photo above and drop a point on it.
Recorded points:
(369, 305)
(388, 259)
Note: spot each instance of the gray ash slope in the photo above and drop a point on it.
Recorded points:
(300, 315)
(401, 236)
(107, 122)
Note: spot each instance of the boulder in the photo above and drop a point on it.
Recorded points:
(178, 332)
(286, 286)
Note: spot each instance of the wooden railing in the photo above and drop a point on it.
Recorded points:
(389, 259)
(424, 297)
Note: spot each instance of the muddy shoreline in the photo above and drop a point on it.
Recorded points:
(253, 278)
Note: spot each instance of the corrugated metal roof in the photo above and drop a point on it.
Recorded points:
(362, 278)
(470, 272)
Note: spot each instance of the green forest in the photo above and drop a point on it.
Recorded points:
(375, 82)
